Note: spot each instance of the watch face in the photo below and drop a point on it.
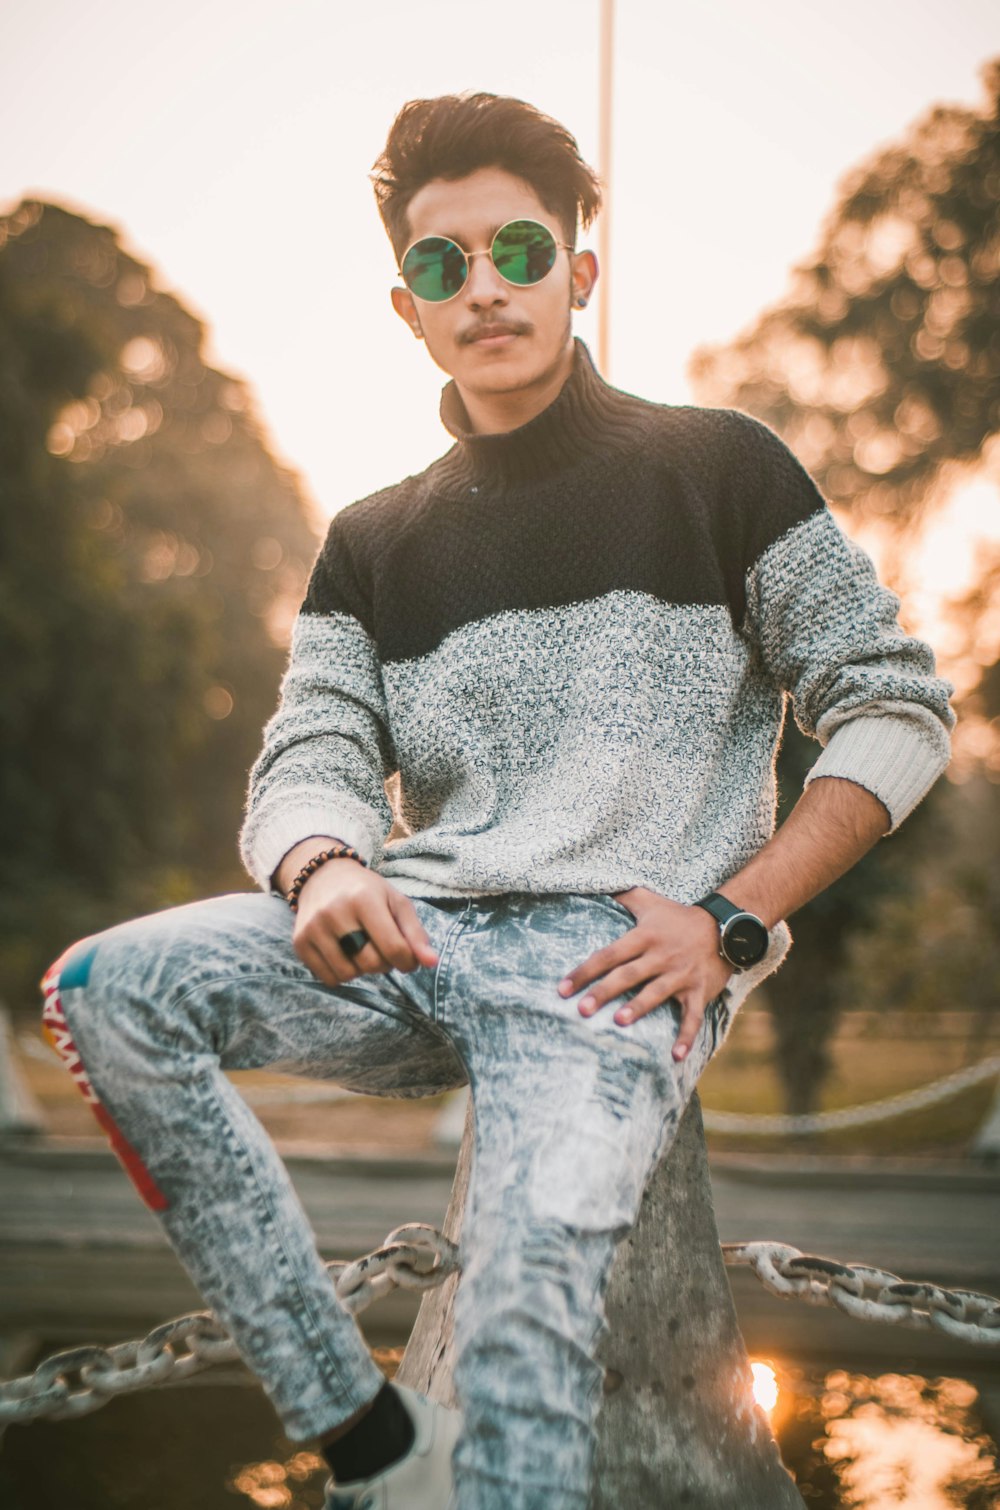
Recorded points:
(744, 940)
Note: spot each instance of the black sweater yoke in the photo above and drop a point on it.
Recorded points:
(557, 660)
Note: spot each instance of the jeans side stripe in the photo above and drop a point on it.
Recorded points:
(56, 1030)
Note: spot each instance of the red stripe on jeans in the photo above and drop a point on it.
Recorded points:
(57, 1032)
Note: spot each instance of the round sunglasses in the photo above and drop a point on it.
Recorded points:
(523, 252)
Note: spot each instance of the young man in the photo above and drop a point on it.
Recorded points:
(572, 637)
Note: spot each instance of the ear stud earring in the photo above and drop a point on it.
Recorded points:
(580, 301)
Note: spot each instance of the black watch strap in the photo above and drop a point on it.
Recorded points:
(747, 951)
(719, 906)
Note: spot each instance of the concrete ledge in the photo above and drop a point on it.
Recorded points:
(94, 1154)
(769, 1169)
(856, 1169)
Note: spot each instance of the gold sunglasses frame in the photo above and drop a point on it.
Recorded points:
(485, 252)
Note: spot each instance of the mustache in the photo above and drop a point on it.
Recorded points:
(496, 328)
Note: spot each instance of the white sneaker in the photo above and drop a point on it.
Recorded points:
(419, 1481)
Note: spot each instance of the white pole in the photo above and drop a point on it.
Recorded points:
(986, 1143)
(604, 168)
(19, 1111)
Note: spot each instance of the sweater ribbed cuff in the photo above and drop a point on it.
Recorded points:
(891, 757)
(266, 840)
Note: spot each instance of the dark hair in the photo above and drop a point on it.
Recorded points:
(455, 134)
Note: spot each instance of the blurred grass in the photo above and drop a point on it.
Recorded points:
(872, 1060)
(370, 1122)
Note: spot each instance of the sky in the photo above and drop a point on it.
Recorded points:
(229, 142)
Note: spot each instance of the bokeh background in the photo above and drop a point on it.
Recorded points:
(199, 365)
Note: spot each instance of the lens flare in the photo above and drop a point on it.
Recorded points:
(765, 1385)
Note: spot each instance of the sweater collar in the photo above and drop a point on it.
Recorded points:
(587, 416)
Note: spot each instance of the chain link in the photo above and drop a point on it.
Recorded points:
(82, 1379)
(413, 1257)
(418, 1257)
(869, 1294)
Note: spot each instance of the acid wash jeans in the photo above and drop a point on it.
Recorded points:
(571, 1116)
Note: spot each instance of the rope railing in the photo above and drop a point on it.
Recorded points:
(418, 1257)
(752, 1124)
(766, 1124)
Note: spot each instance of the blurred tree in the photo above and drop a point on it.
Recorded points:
(976, 620)
(881, 369)
(932, 940)
(882, 364)
(152, 555)
(804, 996)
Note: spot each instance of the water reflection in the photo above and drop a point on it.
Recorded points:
(856, 1442)
(765, 1385)
(853, 1442)
(296, 1484)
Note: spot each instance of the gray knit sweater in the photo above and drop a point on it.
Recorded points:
(573, 643)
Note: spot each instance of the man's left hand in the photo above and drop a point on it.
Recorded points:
(673, 948)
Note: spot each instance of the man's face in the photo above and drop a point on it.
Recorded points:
(531, 326)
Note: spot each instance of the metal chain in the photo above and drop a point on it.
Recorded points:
(413, 1257)
(869, 1294)
(418, 1257)
(82, 1379)
(854, 1116)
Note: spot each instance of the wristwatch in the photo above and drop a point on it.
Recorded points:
(743, 938)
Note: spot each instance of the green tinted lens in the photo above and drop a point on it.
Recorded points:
(524, 251)
(434, 269)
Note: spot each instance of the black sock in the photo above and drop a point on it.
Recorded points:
(382, 1436)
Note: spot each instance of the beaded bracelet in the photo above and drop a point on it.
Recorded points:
(314, 864)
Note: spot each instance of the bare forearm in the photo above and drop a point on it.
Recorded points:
(832, 825)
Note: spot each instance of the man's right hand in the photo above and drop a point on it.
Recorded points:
(342, 896)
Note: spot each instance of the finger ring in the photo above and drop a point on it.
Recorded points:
(353, 943)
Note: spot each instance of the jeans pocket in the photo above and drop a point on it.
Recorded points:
(720, 1017)
(605, 896)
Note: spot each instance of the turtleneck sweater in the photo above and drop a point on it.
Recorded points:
(557, 661)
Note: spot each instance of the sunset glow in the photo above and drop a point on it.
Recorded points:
(765, 1385)
(243, 136)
